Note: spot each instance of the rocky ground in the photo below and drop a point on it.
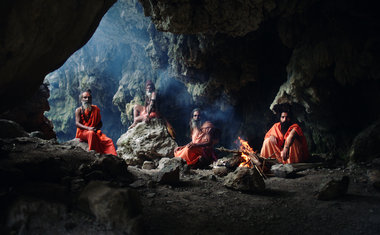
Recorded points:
(200, 204)
(52, 188)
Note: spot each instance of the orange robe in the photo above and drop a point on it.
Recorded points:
(96, 140)
(192, 155)
(298, 151)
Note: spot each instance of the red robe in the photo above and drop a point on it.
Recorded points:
(298, 151)
(192, 155)
(96, 140)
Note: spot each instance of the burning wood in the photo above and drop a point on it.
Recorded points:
(248, 157)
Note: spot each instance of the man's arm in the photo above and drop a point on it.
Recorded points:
(77, 121)
(204, 144)
(288, 142)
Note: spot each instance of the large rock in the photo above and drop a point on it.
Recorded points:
(46, 178)
(333, 189)
(245, 179)
(30, 114)
(366, 144)
(11, 129)
(115, 207)
(374, 178)
(283, 170)
(168, 171)
(146, 141)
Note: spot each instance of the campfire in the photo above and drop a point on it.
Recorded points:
(245, 157)
(246, 152)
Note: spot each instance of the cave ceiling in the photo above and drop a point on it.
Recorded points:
(36, 37)
(322, 56)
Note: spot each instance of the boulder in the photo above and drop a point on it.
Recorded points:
(245, 179)
(333, 189)
(77, 143)
(283, 170)
(11, 129)
(146, 141)
(115, 207)
(365, 145)
(374, 178)
(168, 171)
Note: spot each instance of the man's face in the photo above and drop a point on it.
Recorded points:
(149, 87)
(196, 116)
(86, 98)
(284, 118)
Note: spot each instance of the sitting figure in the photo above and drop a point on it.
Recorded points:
(89, 122)
(144, 113)
(199, 153)
(195, 120)
(285, 141)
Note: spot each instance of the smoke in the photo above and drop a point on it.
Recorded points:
(176, 104)
(116, 49)
(125, 51)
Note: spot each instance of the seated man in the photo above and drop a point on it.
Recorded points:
(144, 113)
(285, 141)
(89, 122)
(195, 120)
(200, 153)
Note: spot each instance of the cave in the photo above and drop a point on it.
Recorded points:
(235, 60)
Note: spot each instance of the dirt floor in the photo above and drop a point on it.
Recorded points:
(201, 204)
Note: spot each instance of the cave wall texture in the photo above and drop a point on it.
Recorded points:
(36, 37)
(235, 59)
(321, 56)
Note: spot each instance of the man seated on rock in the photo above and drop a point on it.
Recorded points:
(195, 120)
(149, 110)
(199, 153)
(285, 141)
(89, 122)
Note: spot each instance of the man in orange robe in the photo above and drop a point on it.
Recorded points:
(199, 152)
(285, 141)
(149, 110)
(89, 122)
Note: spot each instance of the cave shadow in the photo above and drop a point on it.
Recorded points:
(359, 198)
(275, 193)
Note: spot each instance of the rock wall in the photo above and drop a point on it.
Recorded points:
(324, 53)
(30, 114)
(37, 37)
(234, 59)
(114, 58)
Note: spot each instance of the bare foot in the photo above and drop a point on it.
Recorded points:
(131, 126)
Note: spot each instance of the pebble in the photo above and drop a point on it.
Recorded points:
(151, 195)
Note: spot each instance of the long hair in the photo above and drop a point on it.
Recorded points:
(191, 119)
(284, 108)
(81, 94)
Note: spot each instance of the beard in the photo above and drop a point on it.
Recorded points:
(284, 127)
(195, 124)
(86, 105)
(148, 93)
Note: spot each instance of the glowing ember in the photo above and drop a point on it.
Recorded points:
(245, 149)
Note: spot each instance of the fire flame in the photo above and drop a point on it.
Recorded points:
(245, 149)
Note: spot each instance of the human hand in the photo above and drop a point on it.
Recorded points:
(285, 154)
(91, 128)
(190, 145)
